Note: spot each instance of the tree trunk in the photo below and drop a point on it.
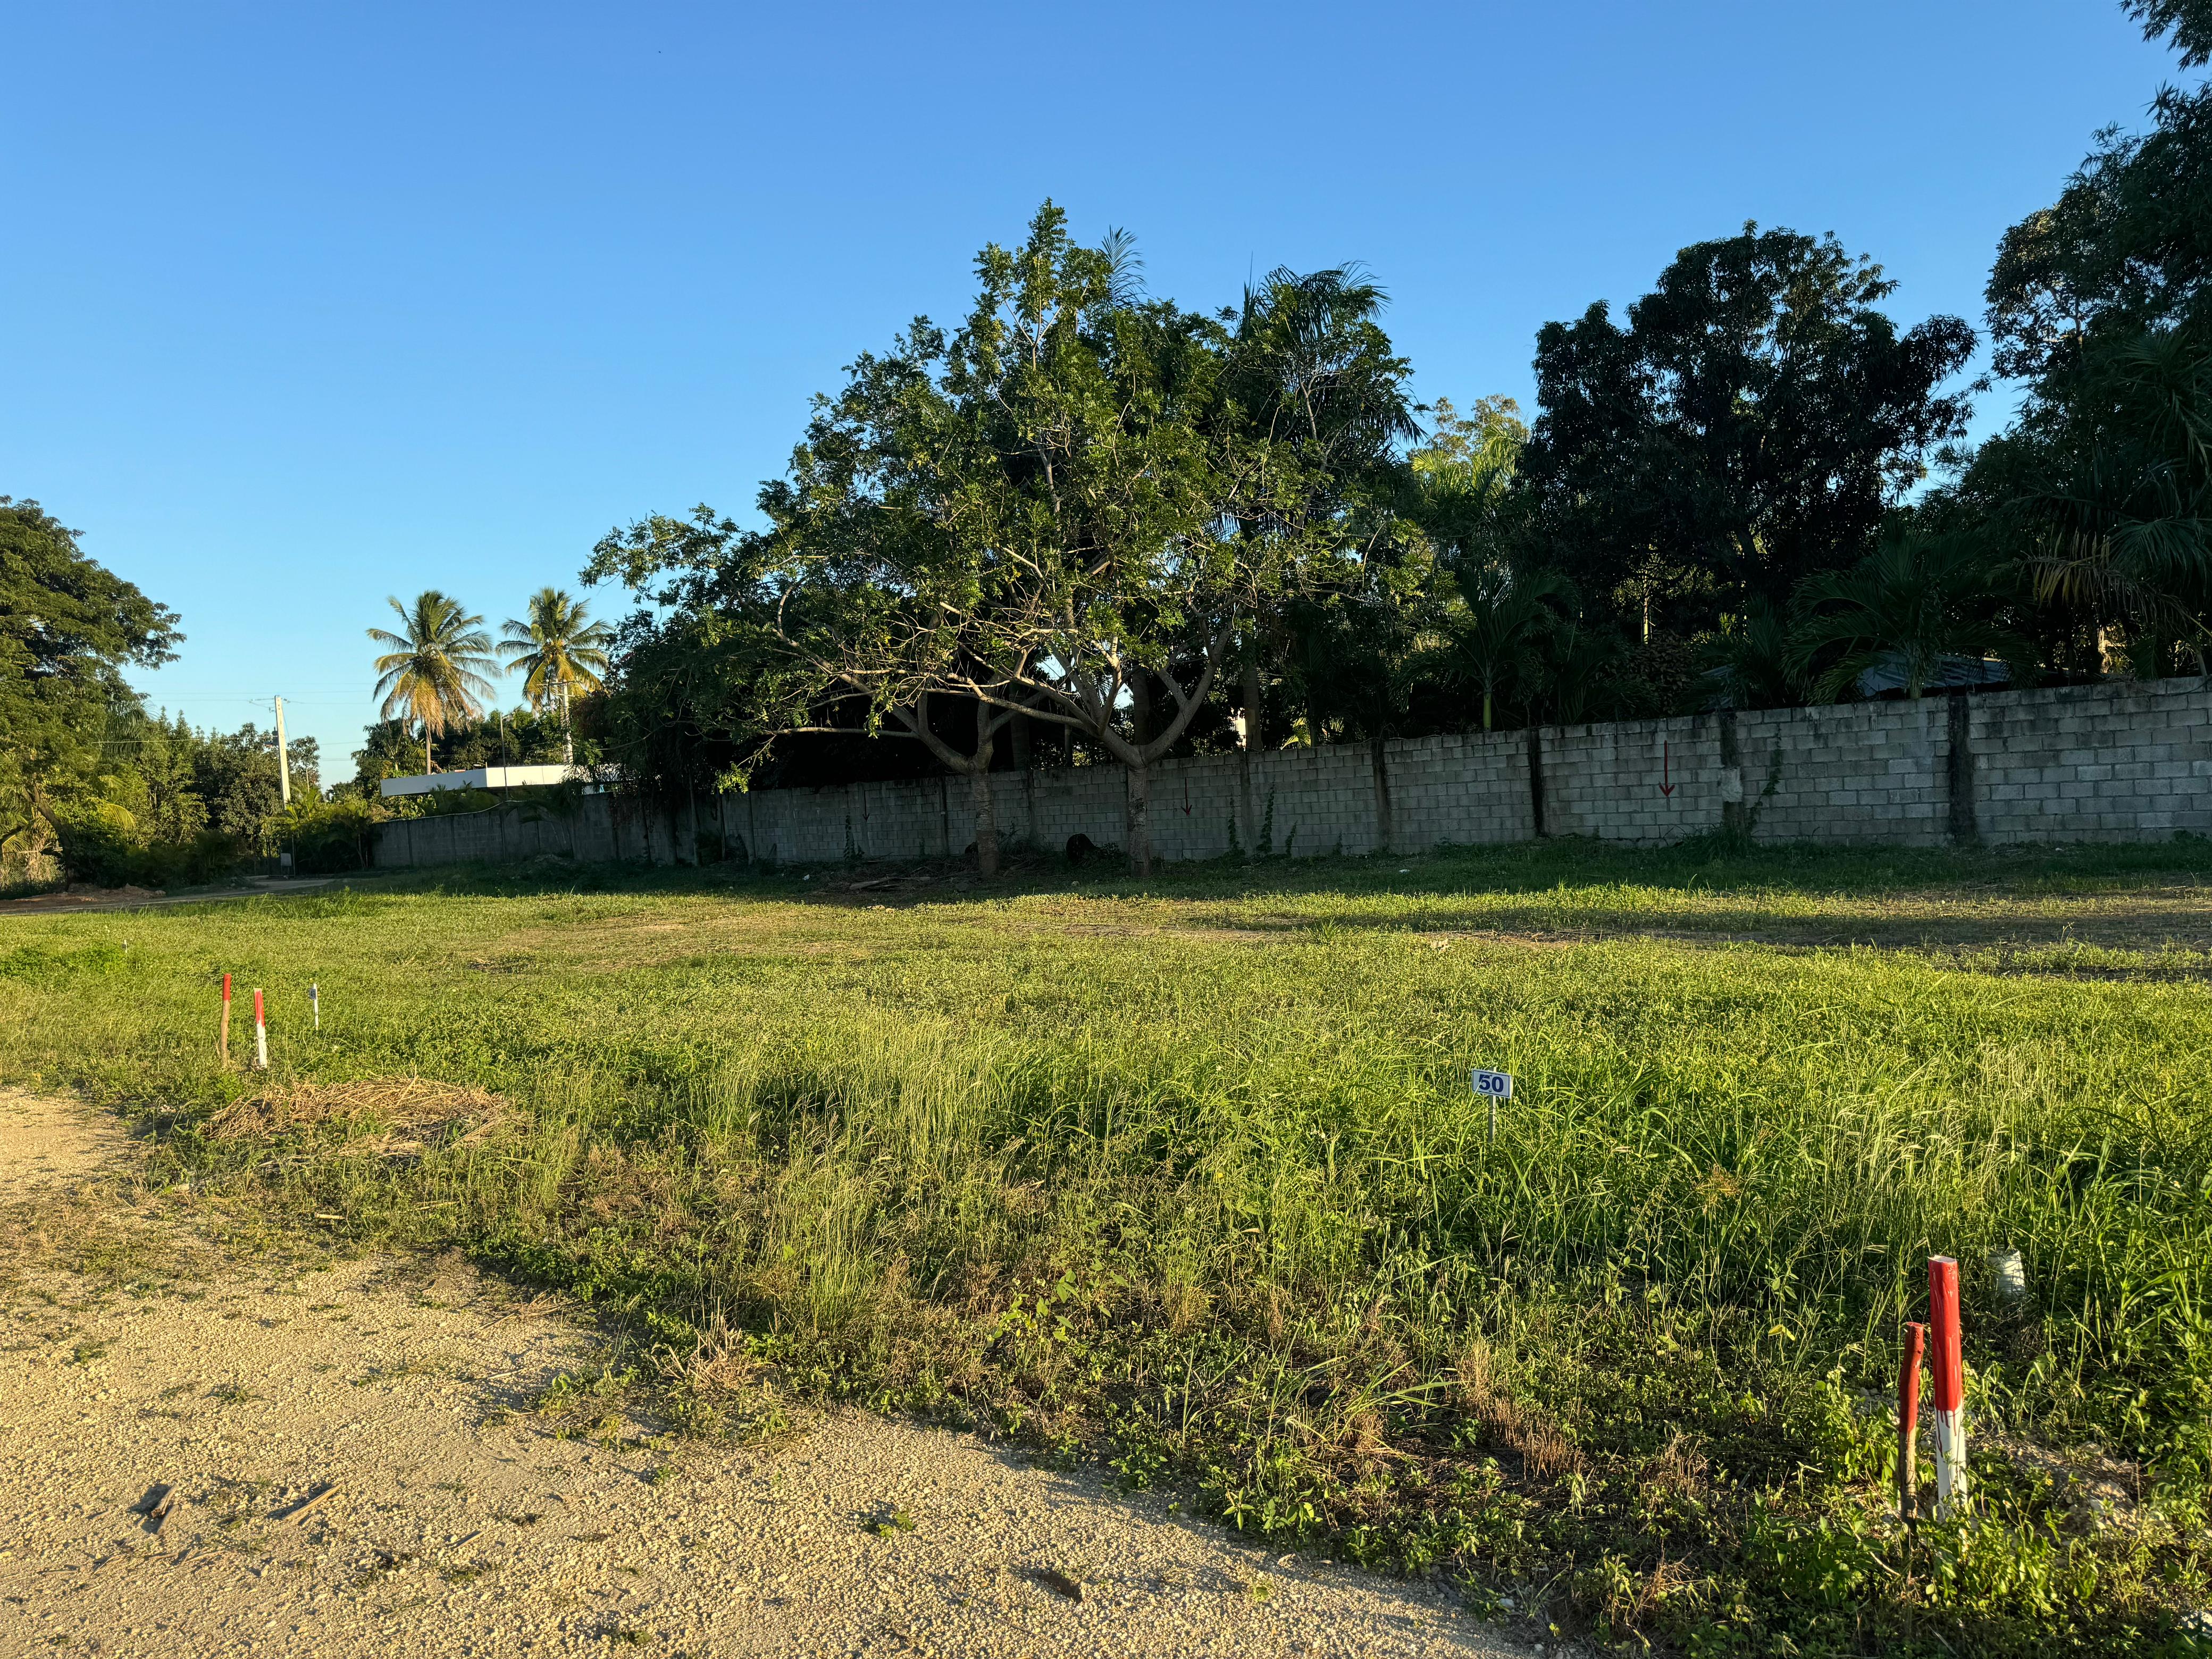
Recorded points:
(1140, 818)
(567, 728)
(428, 765)
(987, 822)
(1025, 765)
(987, 814)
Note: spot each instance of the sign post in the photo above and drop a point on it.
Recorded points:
(1493, 1086)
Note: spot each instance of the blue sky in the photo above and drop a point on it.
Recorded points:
(305, 305)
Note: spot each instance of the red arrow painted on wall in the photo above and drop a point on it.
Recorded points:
(1666, 768)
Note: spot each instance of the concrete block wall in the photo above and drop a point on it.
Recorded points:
(1195, 803)
(1869, 771)
(905, 820)
(1087, 800)
(1646, 782)
(602, 829)
(1323, 798)
(2093, 762)
(2120, 762)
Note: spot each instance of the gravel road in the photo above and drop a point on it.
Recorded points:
(457, 1522)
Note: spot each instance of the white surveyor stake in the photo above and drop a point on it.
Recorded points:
(1908, 1424)
(260, 1036)
(1947, 1362)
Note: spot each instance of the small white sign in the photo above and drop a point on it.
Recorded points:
(1494, 1086)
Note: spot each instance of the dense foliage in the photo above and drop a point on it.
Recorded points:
(69, 628)
(172, 804)
(1748, 429)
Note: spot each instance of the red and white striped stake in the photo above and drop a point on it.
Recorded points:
(1947, 1362)
(1908, 1424)
(260, 1036)
(223, 1037)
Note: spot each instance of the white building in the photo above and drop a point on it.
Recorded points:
(490, 777)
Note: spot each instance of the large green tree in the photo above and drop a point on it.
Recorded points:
(2128, 244)
(69, 629)
(1059, 510)
(1747, 428)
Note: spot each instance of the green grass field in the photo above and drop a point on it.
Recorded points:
(1188, 1178)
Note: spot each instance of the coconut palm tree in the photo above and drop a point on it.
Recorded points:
(558, 652)
(435, 670)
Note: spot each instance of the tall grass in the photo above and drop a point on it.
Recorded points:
(1223, 1212)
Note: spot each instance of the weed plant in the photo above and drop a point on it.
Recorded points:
(1188, 1179)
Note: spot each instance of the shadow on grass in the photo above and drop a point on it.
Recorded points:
(1694, 869)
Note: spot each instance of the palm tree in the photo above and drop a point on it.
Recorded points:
(2127, 528)
(1502, 626)
(559, 653)
(1575, 664)
(1753, 663)
(434, 672)
(1914, 600)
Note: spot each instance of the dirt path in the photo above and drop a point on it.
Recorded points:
(456, 1522)
(80, 901)
(47, 1142)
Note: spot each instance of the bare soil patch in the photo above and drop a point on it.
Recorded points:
(76, 900)
(46, 1143)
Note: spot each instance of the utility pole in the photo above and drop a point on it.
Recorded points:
(283, 758)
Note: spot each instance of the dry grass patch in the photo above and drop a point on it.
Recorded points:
(1546, 1455)
(407, 1114)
